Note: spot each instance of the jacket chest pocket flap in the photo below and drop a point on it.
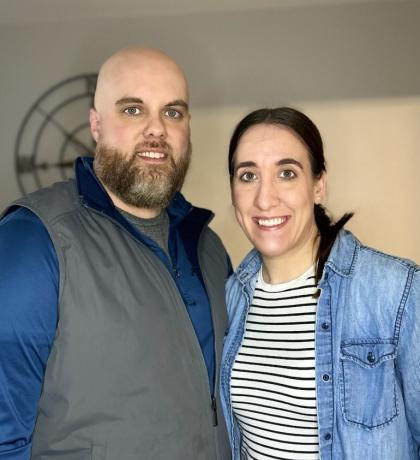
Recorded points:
(367, 383)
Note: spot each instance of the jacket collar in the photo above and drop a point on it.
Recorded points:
(342, 258)
(344, 254)
(249, 267)
(93, 194)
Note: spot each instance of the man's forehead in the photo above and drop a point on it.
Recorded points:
(144, 75)
(147, 91)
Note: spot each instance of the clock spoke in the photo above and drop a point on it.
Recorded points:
(69, 137)
(26, 164)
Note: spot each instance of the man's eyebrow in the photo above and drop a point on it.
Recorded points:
(177, 102)
(137, 100)
(129, 100)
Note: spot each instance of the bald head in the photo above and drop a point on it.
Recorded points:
(131, 66)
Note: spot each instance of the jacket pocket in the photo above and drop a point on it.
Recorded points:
(367, 383)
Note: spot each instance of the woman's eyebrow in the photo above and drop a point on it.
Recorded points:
(288, 161)
(245, 164)
(283, 161)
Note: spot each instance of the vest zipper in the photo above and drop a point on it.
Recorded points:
(214, 408)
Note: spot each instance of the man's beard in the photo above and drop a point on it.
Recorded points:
(137, 183)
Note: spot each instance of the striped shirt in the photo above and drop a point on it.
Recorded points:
(273, 376)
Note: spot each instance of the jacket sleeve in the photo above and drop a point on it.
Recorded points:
(28, 320)
(408, 360)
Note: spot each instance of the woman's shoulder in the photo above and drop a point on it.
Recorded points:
(371, 270)
(387, 260)
(349, 254)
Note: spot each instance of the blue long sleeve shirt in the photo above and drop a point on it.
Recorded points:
(28, 320)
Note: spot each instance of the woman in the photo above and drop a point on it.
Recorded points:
(322, 356)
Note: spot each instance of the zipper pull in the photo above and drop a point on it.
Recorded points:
(214, 409)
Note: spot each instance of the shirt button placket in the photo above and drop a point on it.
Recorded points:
(324, 371)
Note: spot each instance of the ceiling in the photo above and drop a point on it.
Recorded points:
(243, 52)
(24, 11)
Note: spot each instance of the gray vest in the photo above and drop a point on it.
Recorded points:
(126, 378)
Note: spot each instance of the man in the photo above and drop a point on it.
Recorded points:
(112, 310)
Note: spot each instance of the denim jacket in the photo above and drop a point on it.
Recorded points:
(367, 352)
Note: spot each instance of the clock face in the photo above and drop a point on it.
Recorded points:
(54, 132)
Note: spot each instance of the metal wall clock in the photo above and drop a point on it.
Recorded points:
(54, 132)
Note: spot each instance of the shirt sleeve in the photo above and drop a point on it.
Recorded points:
(29, 279)
(409, 360)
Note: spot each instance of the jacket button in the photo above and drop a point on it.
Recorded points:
(325, 326)
(327, 436)
(325, 377)
(371, 357)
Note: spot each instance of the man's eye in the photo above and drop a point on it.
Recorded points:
(172, 113)
(287, 174)
(247, 176)
(132, 111)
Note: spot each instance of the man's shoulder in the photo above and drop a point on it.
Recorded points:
(49, 202)
(210, 243)
(211, 238)
(58, 189)
(19, 224)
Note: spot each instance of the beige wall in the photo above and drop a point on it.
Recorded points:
(372, 150)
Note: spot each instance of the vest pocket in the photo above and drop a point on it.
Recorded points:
(94, 453)
(367, 383)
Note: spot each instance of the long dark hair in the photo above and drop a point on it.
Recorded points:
(305, 128)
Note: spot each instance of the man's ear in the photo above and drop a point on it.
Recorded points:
(95, 125)
(320, 188)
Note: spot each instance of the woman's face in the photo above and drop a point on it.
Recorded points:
(274, 191)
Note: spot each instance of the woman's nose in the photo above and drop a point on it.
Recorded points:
(266, 195)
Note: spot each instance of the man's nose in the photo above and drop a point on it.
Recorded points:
(155, 127)
(266, 195)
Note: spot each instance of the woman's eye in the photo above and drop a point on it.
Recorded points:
(247, 176)
(287, 174)
(132, 111)
(172, 113)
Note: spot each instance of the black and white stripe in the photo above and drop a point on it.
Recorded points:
(273, 376)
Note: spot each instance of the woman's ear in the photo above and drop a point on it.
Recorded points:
(232, 200)
(320, 188)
